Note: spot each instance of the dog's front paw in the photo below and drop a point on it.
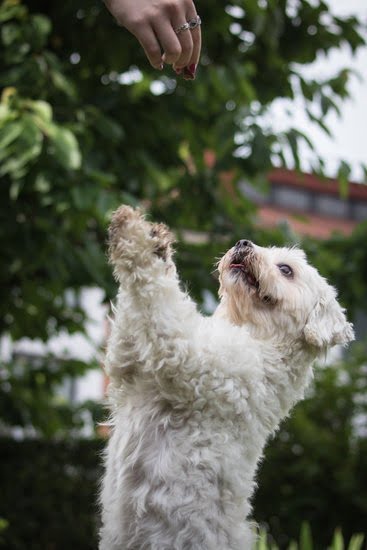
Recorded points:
(125, 234)
(134, 242)
(125, 222)
(162, 239)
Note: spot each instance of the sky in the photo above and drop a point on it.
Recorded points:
(349, 132)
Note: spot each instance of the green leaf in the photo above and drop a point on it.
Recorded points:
(343, 178)
(4, 112)
(356, 542)
(11, 10)
(4, 524)
(292, 138)
(42, 183)
(65, 147)
(262, 540)
(62, 83)
(10, 33)
(305, 540)
(319, 122)
(9, 133)
(43, 109)
(41, 25)
(107, 127)
(338, 541)
(23, 150)
(308, 88)
(15, 188)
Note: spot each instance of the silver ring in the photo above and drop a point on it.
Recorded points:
(193, 23)
(184, 27)
(189, 25)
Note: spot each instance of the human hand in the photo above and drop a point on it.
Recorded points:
(154, 23)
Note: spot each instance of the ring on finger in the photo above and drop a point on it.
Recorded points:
(189, 25)
(181, 28)
(193, 23)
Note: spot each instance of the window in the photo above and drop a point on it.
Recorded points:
(292, 198)
(360, 211)
(332, 206)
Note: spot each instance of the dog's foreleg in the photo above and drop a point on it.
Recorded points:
(135, 245)
(153, 315)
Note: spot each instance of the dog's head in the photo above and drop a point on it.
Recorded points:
(279, 294)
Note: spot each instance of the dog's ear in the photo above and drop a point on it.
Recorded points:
(327, 325)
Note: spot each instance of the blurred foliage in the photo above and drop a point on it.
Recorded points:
(344, 261)
(306, 543)
(31, 397)
(316, 465)
(86, 124)
(49, 494)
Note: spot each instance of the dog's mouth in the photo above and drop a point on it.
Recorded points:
(246, 273)
(242, 267)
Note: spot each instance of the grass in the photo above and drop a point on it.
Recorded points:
(305, 541)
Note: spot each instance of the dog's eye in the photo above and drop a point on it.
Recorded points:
(286, 270)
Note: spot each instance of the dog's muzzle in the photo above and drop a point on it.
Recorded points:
(243, 243)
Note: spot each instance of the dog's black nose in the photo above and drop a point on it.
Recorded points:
(243, 243)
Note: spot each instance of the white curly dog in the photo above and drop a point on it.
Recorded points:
(194, 398)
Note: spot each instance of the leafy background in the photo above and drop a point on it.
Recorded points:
(85, 124)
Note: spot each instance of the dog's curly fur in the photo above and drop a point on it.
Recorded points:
(194, 399)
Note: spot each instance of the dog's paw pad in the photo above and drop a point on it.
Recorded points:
(163, 239)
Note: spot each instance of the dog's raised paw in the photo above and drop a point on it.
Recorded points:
(131, 238)
(127, 224)
(163, 240)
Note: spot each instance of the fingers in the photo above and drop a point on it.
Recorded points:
(189, 70)
(169, 40)
(154, 24)
(151, 46)
(180, 50)
(190, 39)
(177, 47)
(187, 46)
(196, 49)
(190, 62)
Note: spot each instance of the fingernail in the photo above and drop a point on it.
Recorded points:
(178, 71)
(189, 72)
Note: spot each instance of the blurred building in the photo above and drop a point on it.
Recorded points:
(311, 205)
